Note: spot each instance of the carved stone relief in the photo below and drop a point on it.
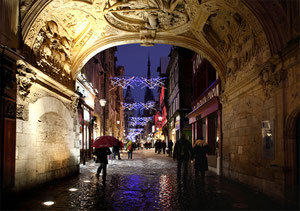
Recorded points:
(74, 103)
(270, 79)
(52, 49)
(233, 38)
(141, 15)
(25, 78)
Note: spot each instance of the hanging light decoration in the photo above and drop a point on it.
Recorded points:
(139, 106)
(139, 121)
(137, 81)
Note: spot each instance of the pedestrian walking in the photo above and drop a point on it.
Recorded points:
(199, 153)
(102, 154)
(129, 148)
(170, 147)
(182, 153)
(116, 151)
(163, 145)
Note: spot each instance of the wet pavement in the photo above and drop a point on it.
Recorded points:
(147, 182)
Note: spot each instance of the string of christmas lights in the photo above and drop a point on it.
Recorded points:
(138, 106)
(139, 121)
(137, 81)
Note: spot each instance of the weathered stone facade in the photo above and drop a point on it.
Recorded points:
(46, 142)
(247, 105)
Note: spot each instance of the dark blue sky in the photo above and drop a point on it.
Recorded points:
(134, 58)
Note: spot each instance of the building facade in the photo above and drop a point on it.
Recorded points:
(205, 117)
(179, 87)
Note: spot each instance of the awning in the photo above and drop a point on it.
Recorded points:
(204, 110)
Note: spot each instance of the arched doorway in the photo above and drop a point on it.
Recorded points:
(292, 159)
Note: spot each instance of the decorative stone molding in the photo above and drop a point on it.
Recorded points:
(137, 15)
(223, 98)
(74, 103)
(271, 79)
(25, 78)
(147, 36)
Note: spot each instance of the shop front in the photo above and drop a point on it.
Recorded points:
(86, 120)
(206, 123)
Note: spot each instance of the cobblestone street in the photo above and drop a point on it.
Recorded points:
(147, 182)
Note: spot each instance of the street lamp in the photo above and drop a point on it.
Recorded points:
(103, 103)
(118, 122)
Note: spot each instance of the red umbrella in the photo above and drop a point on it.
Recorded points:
(105, 141)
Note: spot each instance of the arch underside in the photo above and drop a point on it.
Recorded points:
(63, 35)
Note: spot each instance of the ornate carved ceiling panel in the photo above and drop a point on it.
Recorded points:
(62, 34)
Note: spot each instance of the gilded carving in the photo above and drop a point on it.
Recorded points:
(52, 49)
(25, 77)
(136, 15)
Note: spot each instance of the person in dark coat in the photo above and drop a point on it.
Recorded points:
(182, 153)
(101, 154)
(199, 152)
(163, 145)
(116, 151)
(170, 146)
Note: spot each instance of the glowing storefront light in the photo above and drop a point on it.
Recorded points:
(86, 181)
(73, 189)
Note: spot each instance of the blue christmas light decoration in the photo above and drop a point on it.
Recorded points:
(139, 106)
(139, 121)
(137, 81)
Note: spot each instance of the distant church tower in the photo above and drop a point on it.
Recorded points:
(128, 113)
(148, 93)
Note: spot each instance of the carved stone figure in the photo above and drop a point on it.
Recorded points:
(25, 76)
(270, 79)
(136, 15)
(52, 49)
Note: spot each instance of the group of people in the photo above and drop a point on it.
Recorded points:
(160, 146)
(183, 152)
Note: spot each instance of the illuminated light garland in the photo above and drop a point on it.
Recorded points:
(136, 130)
(139, 121)
(139, 106)
(137, 81)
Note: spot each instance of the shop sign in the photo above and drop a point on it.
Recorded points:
(214, 92)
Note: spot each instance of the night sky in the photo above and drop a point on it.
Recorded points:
(134, 58)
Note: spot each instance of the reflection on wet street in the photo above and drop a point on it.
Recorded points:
(147, 182)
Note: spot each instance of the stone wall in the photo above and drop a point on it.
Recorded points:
(47, 144)
(271, 93)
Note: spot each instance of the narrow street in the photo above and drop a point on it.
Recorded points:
(147, 182)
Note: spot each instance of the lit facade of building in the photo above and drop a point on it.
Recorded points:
(205, 117)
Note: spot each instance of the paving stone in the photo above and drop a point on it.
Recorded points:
(147, 182)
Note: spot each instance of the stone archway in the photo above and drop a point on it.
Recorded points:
(251, 44)
(64, 35)
(292, 156)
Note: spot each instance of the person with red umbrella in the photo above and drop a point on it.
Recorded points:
(102, 145)
(101, 154)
